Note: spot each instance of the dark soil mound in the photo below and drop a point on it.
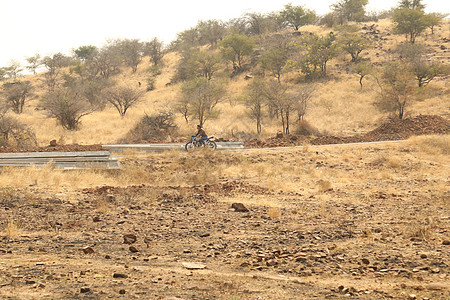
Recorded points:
(56, 148)
(402, 129)
(389, 131)
(278, 141)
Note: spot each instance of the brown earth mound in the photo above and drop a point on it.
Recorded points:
(56, 148)
(389, 131)
(279, 141)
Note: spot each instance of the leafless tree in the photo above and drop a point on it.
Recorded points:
(14, 133)
(301, 97)
(131, 52)
(397, 88)
(201, 97)
(254, 99)
(16, 94)
(67, 105)
(123, 97)
(155, 50)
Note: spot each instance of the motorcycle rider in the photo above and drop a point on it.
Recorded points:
(201, 134)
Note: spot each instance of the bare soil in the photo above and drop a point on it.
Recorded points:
(373, 238)
(56, 148)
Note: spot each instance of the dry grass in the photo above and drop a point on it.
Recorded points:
(12, 230)
(433, 144)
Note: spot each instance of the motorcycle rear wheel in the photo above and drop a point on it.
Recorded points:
(189, 146)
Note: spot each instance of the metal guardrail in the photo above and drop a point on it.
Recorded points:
(61, 160)
(165, 147)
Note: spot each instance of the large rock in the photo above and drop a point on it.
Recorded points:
(129, 238)
(239, 207)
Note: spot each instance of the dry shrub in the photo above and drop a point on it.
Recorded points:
(8, 196)
(392, 162)
(204, 176)
(420, 228)
(324, 185)
(15, 134)
(102, 204)
(11, 229)
(274, 212)
(432, 144)
(304, 128)
(152, 127)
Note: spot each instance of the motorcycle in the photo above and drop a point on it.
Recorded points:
(196, 143)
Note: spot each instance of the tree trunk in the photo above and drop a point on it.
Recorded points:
(282, 121)
(287, 121)
(258, 126)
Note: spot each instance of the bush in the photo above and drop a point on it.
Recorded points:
(304, 128)
(155, 127)
(67, 106)
(15, 134)
(150, 83)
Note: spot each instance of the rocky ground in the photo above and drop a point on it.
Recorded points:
(337, 229)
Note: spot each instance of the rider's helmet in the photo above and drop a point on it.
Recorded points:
(199, 126)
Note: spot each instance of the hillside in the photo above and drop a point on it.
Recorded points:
(339, 106)
(347, 221)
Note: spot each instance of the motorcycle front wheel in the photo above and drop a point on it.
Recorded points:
(212, 145)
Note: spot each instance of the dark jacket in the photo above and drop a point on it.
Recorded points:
(201, 133)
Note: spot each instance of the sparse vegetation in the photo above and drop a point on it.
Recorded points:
(123, 98)
(14, 133)
(363, 221)
(157, 126)
(66, 105)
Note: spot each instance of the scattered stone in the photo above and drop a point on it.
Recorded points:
(193, 266)
(129, 238)
(122, 292)
(30, 282)
(436, 287)
(107, 256)
(111, 198)
(147, 241)
(96, 219)
(239, 207)
(365, 261)
(423, 256)
(412, 296)
(446, 242)
(435, 270)
(85, 290)
(134, 249)
(53, 143)
(119, 275)
(88, 250)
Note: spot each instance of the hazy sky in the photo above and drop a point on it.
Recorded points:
(46, 27)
